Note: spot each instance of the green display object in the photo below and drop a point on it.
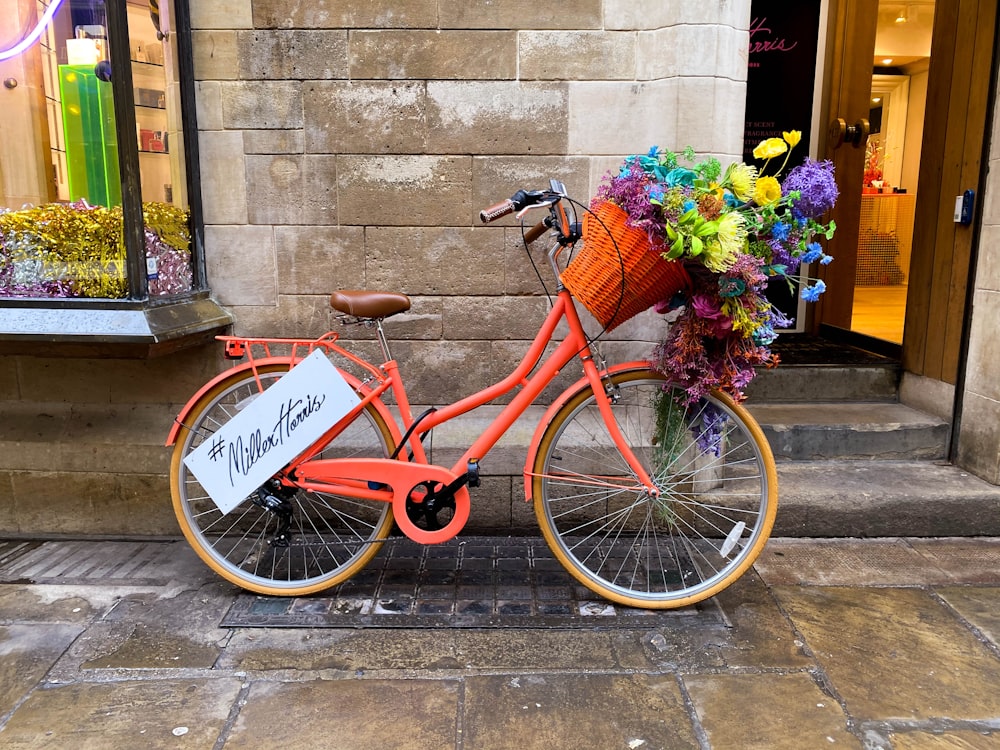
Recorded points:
(88, 115)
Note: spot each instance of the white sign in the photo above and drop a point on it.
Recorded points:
(275, 427)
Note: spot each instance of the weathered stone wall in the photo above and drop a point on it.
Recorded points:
(82, 442)
(980, 415)
(350, 144)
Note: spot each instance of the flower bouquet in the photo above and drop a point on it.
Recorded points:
(733, 231)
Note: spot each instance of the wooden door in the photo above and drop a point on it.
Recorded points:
(954, 133)
(958, 95)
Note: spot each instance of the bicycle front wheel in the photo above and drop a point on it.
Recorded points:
(308, 542)
(717, 493)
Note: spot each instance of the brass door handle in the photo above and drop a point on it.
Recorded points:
(856, 134)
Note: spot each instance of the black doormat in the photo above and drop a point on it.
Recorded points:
(471, 582)
(804, 349)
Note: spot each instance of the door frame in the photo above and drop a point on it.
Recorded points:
(955, 137)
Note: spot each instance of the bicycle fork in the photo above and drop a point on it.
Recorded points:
(604, 396)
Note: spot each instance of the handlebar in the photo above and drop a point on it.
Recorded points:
(564, 223)
(536, 231)
(561, 219)
(520, 200)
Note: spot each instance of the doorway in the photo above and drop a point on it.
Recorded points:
(901, 61)
(942, 150)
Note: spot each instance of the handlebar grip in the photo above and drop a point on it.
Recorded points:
(535, 232)
(495, 212)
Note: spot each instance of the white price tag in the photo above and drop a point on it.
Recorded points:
(273, 429)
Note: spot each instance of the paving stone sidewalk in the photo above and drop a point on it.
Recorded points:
(880, 643)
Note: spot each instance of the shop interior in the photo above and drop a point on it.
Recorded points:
(62, 119)
(898, 97)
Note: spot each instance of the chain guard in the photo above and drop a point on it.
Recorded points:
(433, 514)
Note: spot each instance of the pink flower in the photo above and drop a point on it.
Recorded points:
(707, 309)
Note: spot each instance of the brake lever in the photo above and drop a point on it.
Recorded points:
(545, 203)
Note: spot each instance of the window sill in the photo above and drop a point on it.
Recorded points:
(125, 330)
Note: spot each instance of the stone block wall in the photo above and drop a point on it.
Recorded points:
(979, 433)
(82, 442)
(350, 144)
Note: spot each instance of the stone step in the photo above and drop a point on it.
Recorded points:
(831, 431)
(875, 382)
(883, 498)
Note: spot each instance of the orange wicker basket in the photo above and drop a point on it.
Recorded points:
(595, 275)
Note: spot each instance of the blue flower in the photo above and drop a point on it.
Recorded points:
(689, 205)
(814, 253)
(780, 231)
(681, 177)
(811, 293)
(656, 194)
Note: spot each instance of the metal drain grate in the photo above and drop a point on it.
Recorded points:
(482, 582)
(89, 562)
(12, 549)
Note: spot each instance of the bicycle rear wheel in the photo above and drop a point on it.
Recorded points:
(716, 507)
(329, 538)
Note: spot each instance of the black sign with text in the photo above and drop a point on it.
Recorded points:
(781, 76)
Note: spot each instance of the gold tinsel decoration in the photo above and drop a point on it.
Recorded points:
(76, 250)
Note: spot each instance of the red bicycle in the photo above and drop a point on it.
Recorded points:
(647, 502)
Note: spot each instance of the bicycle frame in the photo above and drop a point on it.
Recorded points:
(407, 478)
(351, 476)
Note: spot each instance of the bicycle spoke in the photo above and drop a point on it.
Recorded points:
(297, 541)
(711, 515)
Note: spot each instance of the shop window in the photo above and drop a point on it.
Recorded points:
(97, 204)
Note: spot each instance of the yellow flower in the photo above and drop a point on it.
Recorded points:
(768, 191)
(792, 137)
(742, 180)
(720, 254)
(770, 148)
(733, 232)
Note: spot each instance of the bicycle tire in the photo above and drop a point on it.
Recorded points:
(332, 537)
(713, 515)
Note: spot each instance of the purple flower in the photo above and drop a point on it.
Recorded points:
(707, 428)
(706, 308)
(781, 257)
(814, 181)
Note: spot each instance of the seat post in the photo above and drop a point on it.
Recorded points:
(382, 340)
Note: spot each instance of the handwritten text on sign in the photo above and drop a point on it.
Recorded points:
(271, 430)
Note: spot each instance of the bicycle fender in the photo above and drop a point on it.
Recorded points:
(550, 413)
(351, 380)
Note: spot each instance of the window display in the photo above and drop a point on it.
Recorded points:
(63, 230)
